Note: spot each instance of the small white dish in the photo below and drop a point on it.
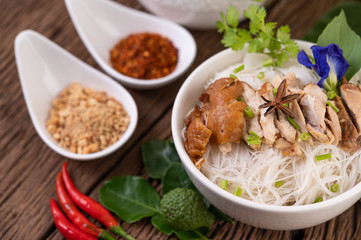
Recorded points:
(249, 212)
(103, 23)
(45, 69)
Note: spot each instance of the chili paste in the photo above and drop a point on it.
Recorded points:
(144, 56)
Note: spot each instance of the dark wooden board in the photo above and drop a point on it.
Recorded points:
(28, 167)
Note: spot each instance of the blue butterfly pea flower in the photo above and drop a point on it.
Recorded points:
(329, 64)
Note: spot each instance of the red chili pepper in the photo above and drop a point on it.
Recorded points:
(66, 228)
(74, 215)
(90, 206)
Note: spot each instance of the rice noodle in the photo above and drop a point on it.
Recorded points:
(305, 179)
(256, 172)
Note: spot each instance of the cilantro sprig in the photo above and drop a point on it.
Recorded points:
(262, 37)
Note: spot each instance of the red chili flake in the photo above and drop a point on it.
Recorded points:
(144, 56)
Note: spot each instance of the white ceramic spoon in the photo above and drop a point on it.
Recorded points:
(102, 23)
(45, 69)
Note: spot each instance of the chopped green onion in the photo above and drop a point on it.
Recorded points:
(332, 106)
(294, 124)
(274, 91)
(238, 191)
(318, 199)
(240, 99)
(323, 157)
(240, 68)
(248, 111)
(286, 104)
(260, 75)
(224, 184)
(253, 139)
(267, 63)
(278, 184)
(305, 136)
(334, 188)
(331, 94)
(233, 76)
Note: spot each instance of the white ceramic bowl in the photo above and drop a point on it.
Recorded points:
(246, 211)
(103, 23)
(197, 14)
(45, 69)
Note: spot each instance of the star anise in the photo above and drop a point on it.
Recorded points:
(280, 101)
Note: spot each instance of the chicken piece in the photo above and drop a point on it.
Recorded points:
(295, 150)
(285, 128)
(267, 122)
(351, 95)
(299, 119)
(349, 131)
(313, 105)
(196, 113)
(197, 137)
(226, 123)
(333, 123)
(223, 91)
(287, 148)
(282, 143)
(253, 100)
(294, 85)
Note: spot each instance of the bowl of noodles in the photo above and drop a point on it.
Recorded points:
(267, 187)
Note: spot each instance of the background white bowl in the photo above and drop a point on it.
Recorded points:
(198, 14)
(246, 211)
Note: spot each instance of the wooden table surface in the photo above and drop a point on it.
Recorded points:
(28, 167)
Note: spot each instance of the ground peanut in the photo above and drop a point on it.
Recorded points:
(86, 121)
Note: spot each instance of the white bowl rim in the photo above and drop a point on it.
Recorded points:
(355, 190)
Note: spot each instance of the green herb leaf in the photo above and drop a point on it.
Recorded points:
(261, 37)
(352, 11)
(158, 156)
(159, 222)
(339, 32)
(283, 33)
(175, 177)
(232, 16)
(130, 197)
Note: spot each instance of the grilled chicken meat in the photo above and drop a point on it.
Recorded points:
(313, 103)
(351, 95)
(197, 137)
(333, 123)
(349, 131)
(253, 100)
(268, 122)
(223, 113)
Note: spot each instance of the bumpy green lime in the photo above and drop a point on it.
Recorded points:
(184, 209)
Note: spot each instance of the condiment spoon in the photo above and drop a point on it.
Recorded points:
(45, 69)
(102, 23)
